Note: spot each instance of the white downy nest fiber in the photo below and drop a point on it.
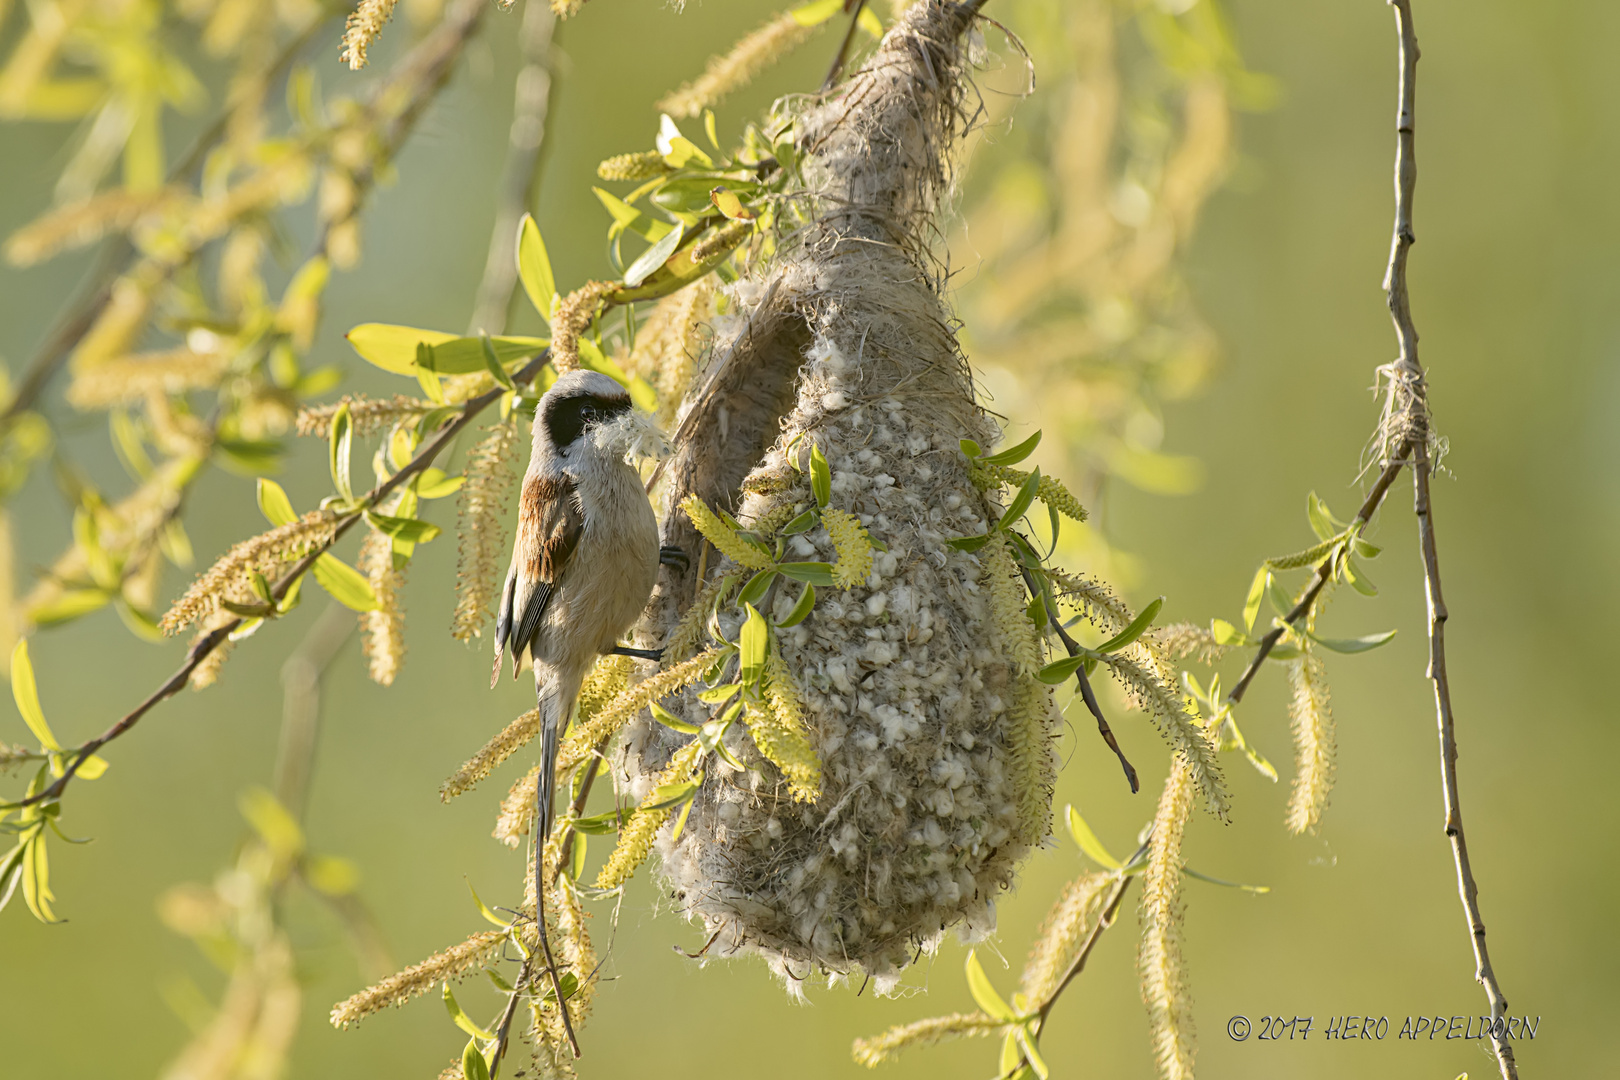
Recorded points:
(908, 689)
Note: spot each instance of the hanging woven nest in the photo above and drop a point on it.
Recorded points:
(936, 742)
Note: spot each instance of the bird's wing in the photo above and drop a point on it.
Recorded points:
(550, 521)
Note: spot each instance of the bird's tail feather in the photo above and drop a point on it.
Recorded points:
(553, 719)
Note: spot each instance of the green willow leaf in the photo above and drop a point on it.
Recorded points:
(1014, 454)
(274, 504)
(820, 476)
(1257, 591)
(342, 439)
(1190, 872)
(1021, 501)
(670, 720)
(969, 543)
(412, 530)
(534, 268)
(752, 643)
(26, 694)
(984, 993)
(1362, 644)
(654, 257)
(1137, 628)
(1088, 841)
(812, 573)
(462, 1020)
(757, 586)
(346, 585)
(801, 609)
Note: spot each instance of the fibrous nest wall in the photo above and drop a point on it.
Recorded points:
(935, 740)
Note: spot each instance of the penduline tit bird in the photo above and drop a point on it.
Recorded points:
(583, 566)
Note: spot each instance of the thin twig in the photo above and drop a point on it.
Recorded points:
(1086, 693)
(1324, 571)
(1410, 385)
(503, 1030)
(211, 641)
(1104, 921)
(530, 112)
(540, 918)
(843, 47)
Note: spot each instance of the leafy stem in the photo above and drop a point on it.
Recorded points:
(206, 644)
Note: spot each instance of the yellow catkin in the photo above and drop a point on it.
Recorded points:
(1095, 600)
(512, 738)
(1182, 641)
(230, 577)
(642, 166)
(1050, 490)
(591, 731)
(1029, 741)
(604, 683)
(668, 346)
(1005, 587)
(1160, 959)
(83, 222)
(481, 538)
(781, 732)
(456, 962)
(132, 379)
(881, 1048)
(853, 545)
(207, 672)
(573, 314)
(723, 537)
(365, 23)
(1315, 744)
(517, 809)
(738, 67)
(1061, 935)
(382, 630)
(691, 629)
(1170, 712)
(368, 415)
(635, 839)
(715, 246)
(607, 680)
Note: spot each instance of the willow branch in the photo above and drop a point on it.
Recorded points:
(73, 325)
(212, 640)
(530, 111)
(1409, 384)
(1104, 921)
(842, 56)
(1324, 571)
(1086, 693)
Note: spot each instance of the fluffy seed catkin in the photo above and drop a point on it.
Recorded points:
(364, 25)
(635, 839)
(1310, 711)
(1160, 958)
(456, 962)
(480, 533)
(738, 67)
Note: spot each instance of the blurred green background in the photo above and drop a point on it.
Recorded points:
(1513, 280)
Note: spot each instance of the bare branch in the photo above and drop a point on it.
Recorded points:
(1409, 388)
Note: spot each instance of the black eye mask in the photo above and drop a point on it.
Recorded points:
(567, 418)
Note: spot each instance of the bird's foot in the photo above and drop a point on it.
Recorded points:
(674, 556)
